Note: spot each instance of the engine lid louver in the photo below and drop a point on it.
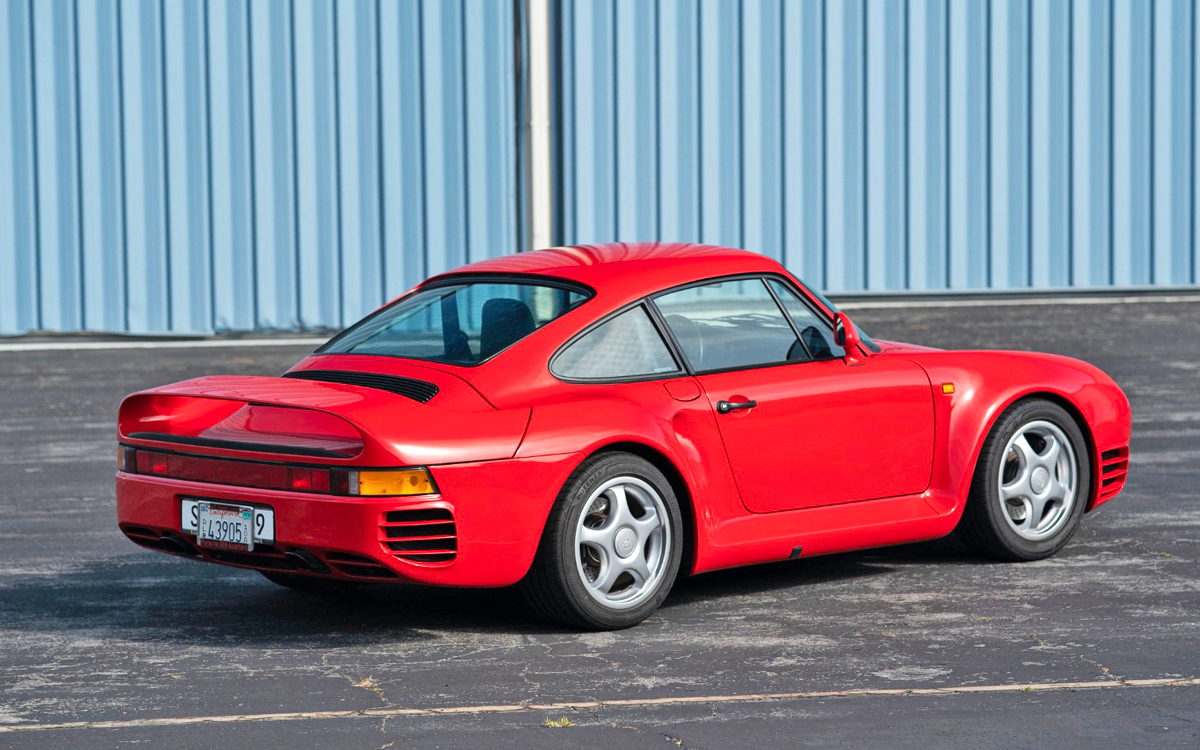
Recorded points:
(417, 390)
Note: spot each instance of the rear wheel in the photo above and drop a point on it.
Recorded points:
(1030, 486)
(611, 548)
(310, 584)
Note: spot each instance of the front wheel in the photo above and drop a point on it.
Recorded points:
(611, 548)
(1030, 486)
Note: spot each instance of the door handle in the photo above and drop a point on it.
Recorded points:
(724, 407)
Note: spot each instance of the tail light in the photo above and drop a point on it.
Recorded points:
(276, 476)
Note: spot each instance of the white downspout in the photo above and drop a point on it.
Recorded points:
(541, 195)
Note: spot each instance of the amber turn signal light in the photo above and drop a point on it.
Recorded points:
(390, 482)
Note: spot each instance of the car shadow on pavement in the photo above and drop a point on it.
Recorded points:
(144, 597)
(787, 574)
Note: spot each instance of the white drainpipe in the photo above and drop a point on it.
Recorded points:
(541, 199)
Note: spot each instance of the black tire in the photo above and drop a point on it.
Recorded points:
(983, 526)
(553, 587)
(311, 584)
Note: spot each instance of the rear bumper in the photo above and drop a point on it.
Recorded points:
(497, 508)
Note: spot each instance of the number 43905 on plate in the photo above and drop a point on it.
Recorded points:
(225, 527)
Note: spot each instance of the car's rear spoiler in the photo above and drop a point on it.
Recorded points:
(314, 420)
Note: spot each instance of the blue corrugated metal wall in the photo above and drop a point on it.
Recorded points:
(197, 165)
(890, 144)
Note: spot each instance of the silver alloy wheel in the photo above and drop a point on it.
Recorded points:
(623, 542)
(1038, 480)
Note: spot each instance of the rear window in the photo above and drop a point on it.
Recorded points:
(462, 324)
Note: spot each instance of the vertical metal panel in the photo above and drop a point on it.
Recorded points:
(845, 97)
(403, 159)
(762, 96)
(100, 151)
(239, 164)
(970, 243)
(1174, 155)
(678, 74)
(55, 100)
(272, 166)
(886, 136)
(317, 208)
(1092, 143)
(1050, 147)
(721, 136)
(20, 306)
(231, 166)
(803, 140)
(358, 144)
(186, 104)
(928, 140)
(890, 145)
(636, 118)
(147, 266)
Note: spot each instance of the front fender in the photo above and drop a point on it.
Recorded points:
(987, 383)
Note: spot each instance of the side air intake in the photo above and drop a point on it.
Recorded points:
(425, 535)
(417, 390)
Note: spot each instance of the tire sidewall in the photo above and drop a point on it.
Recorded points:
(989, 469)
(573, 503)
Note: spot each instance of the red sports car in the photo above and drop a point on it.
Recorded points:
(591, 422)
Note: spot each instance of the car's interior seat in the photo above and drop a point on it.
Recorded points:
(503, 322)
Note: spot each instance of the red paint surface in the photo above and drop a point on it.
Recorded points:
(836, 456)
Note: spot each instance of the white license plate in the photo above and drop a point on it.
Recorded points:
(261, 524)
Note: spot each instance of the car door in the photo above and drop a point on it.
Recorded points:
(801, 428)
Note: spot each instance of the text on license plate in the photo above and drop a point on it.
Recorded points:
(262, 531)
(225, 527)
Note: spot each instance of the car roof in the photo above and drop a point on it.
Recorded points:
(626, 269)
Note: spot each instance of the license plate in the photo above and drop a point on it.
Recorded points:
(227, 525)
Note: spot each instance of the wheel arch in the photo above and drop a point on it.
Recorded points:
(1070, 408)
(683, 493)
(1081, 422)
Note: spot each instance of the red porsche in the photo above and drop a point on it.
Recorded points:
(592, 422)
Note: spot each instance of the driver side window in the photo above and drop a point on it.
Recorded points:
(730, 324)
(815, 333)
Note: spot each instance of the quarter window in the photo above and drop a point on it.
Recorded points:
(624, 346)
(729, 324)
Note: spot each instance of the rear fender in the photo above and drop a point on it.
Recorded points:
(645, 414)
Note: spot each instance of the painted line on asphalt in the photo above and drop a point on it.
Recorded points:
(71, 346)
(600, 704)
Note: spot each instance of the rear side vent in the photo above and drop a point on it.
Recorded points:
(1114, 468)
(425, 535)
(417, 390)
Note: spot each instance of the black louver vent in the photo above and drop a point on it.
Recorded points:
(424, 535)
(417, 390)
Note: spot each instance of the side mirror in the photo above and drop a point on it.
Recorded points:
(845, 335)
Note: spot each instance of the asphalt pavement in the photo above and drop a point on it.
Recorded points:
(148, 650)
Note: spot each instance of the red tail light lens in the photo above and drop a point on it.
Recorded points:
(262, 475)
(308, 480)
(149, 462)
